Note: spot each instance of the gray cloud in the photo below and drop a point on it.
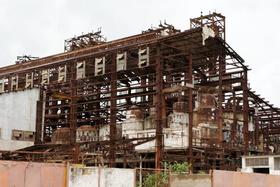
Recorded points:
(40, 27)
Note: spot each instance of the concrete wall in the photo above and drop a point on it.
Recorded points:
(234, 179)
(101, 177)
(190, 181)
(30, 174)
(18, 111)
(220, 178)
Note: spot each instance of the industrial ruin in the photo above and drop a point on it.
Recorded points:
(162, 95)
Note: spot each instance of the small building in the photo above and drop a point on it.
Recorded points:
(269, 164)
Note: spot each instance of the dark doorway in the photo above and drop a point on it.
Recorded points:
(261, 170)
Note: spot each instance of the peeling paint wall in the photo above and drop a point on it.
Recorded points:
(18, 112)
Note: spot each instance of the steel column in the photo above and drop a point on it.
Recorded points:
(159, 96)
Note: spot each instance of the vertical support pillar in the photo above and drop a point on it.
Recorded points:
(266, 150)
(113, 111)
(98, 122)
(269, 127)
(128, 100)
(9, 84)
(190, 107)
(159, 87)
(256, 121)
(73, 112)
(143, 86)
(245, 112)
(39, 115)
(234, 125)
(220, 101)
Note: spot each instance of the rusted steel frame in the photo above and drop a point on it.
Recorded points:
(87, 52)
(214, 19)
(268, 118)
(262, 113)
(39, 116)
(267, 142)
(209, 16)
(234, 125)
(226, 81)
(118, 141)
(113, 111)
(142, 86)
(274, 112)
(98, 108)
(73, 113)
(269, 127)
(120, 97)
(220, 99)
(189, 72)
(267, 114)
(159, 97)
(245, 112)
(261, 100)
(69, 56)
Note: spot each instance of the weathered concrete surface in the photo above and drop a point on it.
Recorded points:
(80, 176)
(190, 180)
(18, 112)
(30, 174)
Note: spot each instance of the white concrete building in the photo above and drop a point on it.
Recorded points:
(269, 164)
(18, 119)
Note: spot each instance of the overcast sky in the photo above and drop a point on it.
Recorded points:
(38, 28)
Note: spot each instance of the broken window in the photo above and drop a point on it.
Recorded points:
(23, 135)
(2, 85)
(99, 66)
(143, 57)
(62, 73)
(121, 61)
(29, 80)
(14, 82)
(45, 76)
(256, 161)
(81, 70)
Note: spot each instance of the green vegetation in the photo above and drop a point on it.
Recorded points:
(156, 179)
(160, 179)
(179, 168)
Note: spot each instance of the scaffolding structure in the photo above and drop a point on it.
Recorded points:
(95, 83)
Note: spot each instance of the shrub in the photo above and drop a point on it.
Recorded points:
(156, 179)
(179, 168)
